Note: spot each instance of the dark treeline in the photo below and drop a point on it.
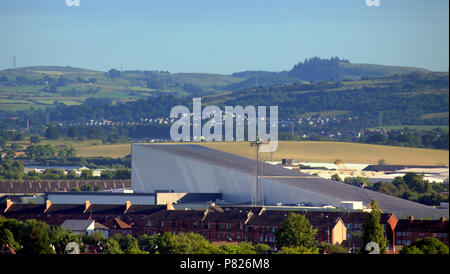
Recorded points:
(436, 138)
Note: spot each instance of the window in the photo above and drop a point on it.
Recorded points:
(399, 242)
(399, 234)
(439, 235)
(348, 226)
(195, 224)
(408, 242)
(162, 223)
(403, 233)
(444, 235)
(409, 233)
(261, 239)
(273, 229)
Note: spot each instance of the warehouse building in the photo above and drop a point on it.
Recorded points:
(187, 168)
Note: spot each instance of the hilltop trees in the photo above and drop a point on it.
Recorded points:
(317, 69)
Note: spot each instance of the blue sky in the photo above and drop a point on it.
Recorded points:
(222, 36)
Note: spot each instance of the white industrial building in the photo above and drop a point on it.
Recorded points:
(187, 168)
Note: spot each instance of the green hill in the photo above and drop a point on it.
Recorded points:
(42, 86)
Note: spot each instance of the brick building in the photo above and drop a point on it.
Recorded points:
(226, 224)
(262, 227)
(409, 230)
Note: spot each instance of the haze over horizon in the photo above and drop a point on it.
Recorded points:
(222, 36)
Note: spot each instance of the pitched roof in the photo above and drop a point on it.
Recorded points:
(144, 209)
(25, 209)
(65, 209)
(98, 225)
(116, 223)
(275, 218)
(105, 209)
(230, 216)
(330, 191)
(179, 215)
(77, 225)
(422, 225)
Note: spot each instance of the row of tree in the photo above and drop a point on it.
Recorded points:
(411, 186)
(436, 138)
(14, 170)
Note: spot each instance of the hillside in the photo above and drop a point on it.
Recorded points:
(317, 69)
(41, 86)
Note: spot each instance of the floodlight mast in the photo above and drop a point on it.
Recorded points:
(257, 197)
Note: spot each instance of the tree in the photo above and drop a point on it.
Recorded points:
(51, 132)
(427, 245)
(298, 250)
(113, 247)
(34, 236)
(261, 248)
(87, 187)
(129, 245)
(72, 132)
(148, 243)
(122, 174)
(11, 169)
(92, 133)
(7, 237)
(190, 243)
(240, 248)
(336, 178)
(373, 230)
(296, 231)
(34, 139)
(59, 238)
(86, 174)
(113, 73)
(328, 248)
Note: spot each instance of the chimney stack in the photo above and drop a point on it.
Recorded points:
(8, 204)
(48, 203)
(87, 205)
(127, 206)
(169, 206)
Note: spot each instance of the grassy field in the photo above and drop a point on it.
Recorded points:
(302, 152)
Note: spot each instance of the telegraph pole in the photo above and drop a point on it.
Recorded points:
(257, 197)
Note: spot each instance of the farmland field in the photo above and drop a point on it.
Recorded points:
(304, 151)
